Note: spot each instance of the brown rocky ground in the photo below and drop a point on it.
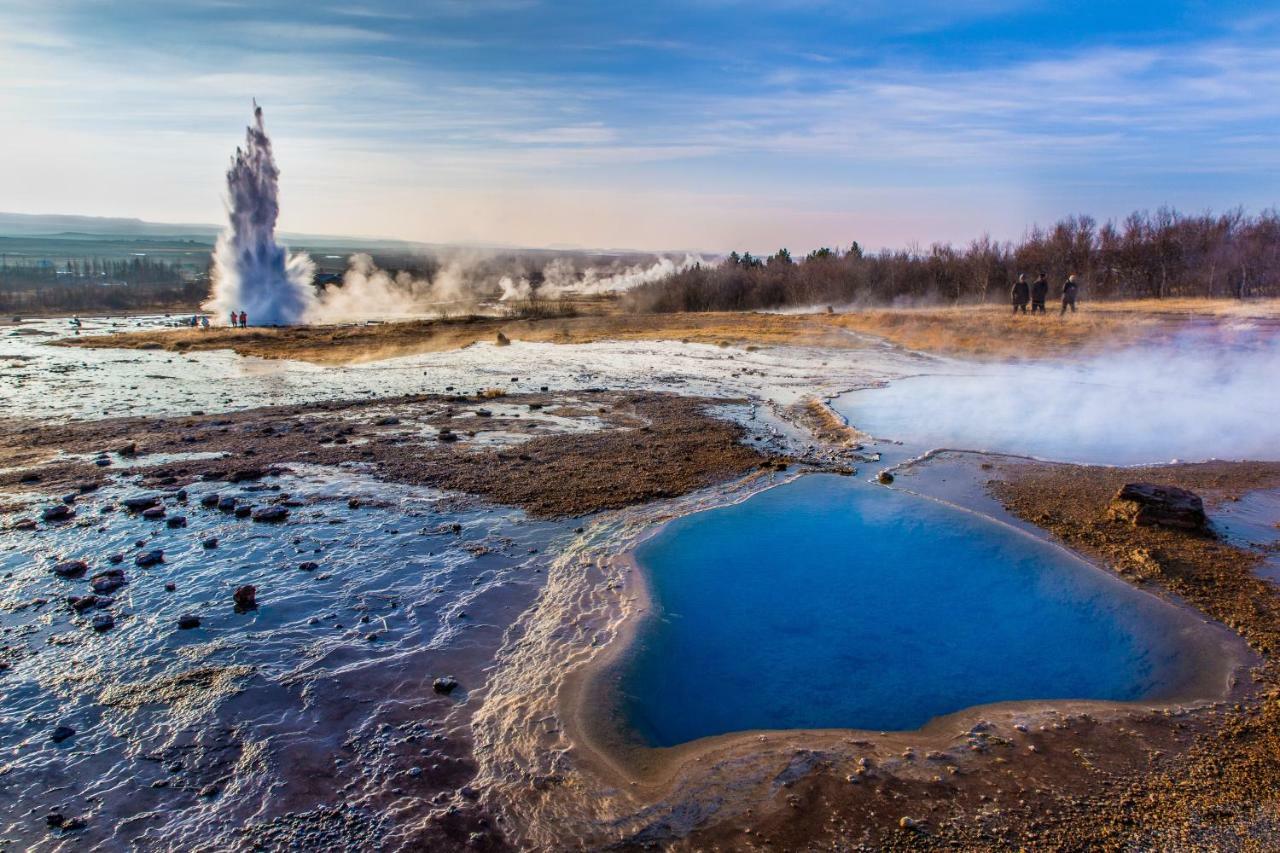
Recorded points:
(1200, 779)
(979, 331)
(634, 447)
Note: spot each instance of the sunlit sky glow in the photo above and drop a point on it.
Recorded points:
(709, 124)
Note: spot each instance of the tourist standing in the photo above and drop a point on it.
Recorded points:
(1039, 291)
(1069, 291)
(244, 320)
(233, 320)
(1020, 294)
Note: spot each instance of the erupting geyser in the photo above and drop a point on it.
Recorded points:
(251, 272)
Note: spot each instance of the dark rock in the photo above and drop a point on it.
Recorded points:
(102, 462)
(885, 478)
(81, 603)
(108, 582)
(243, 511)
(68, 499)
(56, 820)
(140, 502)
(130, 449)
(149, 558)
(30, 477)
(387, 421)
(61, 733)
(271, 514)
(115, 559)
(103, 622)
(308, 566)
(170, 586)
(209, 501)
(187, 621)
(447, 435)
(86, 488)
(445, 684)
(154, 513)
(246, 474)
(181, 495)
(246, 597)
(502, 340)
(60, 512)
(469, 792)
(71, 568)
(177, 521)
(210, 543)
(227, 504)
(25, 524)
(1166, 506)
(209, 791)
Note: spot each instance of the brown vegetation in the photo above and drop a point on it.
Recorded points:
(984, 331)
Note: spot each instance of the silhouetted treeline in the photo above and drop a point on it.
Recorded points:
(1147, 255)
(81, 285)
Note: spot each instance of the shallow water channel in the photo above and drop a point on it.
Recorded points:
(830, 602)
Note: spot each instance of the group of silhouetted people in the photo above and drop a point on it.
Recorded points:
(1035, 293)
(241, 321)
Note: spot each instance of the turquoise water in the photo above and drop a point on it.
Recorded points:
(831, 603)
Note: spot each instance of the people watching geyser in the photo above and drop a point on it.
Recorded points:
(1021, 294)
(1037, 292)
(1069, 291)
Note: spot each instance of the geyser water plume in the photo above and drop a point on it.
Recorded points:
(251, 271)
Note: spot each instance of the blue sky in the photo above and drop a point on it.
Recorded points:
(709, 124)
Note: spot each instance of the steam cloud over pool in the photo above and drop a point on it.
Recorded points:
(251, 271)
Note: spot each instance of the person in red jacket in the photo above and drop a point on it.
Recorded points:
(244, 320)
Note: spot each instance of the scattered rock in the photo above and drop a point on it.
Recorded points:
(445, 685)
(246, 474)
(209, 790)
(115, 559)
(71, 568)
(108, 582)
(387, 421)
(149, 558)
(188, 621)
(140, 502)
(61, 733)
(103, 622)
(1147, 504)
(885, 478)
(246, 597)
(30, 477)
(81, 603)
(60, 512)
(271, 514)
(502, 340)
(130, 449)
(243, 511)
(176, 521)
(210, 543)
(170, 586)
(308, 566)
(210, 500)
(227, 504)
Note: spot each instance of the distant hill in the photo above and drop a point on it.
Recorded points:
(70, 227)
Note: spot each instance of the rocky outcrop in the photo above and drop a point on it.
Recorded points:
(1147, 504)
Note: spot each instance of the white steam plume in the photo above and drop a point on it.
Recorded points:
(251, 272)
(368, 292)
(1202, 395)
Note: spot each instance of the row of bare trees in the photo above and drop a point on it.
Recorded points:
(1148, 255)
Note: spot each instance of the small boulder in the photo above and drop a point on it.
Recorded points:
(308, 566)
(105, 583)
(246, 597)
(149, 558)
(103, 622)
(71, 568)
(445, 684)
(58, 512)
(81, 603)
(188, 621)
(243, 511)
(227, 504)
(61, 733)
(1147, 504)
(502, 340)
(885, 478)
(176, 521)
(153, 513)
(246, 474)
(209, 501)
(210, 543)
(271, 514)
(140, 502)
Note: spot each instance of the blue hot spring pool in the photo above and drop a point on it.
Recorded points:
(831, 603)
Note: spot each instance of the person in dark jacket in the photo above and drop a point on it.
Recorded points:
(1020, 294)
(1039, 290)
(1069, 291)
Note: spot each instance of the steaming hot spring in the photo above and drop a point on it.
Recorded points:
(615, 579)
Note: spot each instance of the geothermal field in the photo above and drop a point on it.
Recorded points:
(494, 559)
